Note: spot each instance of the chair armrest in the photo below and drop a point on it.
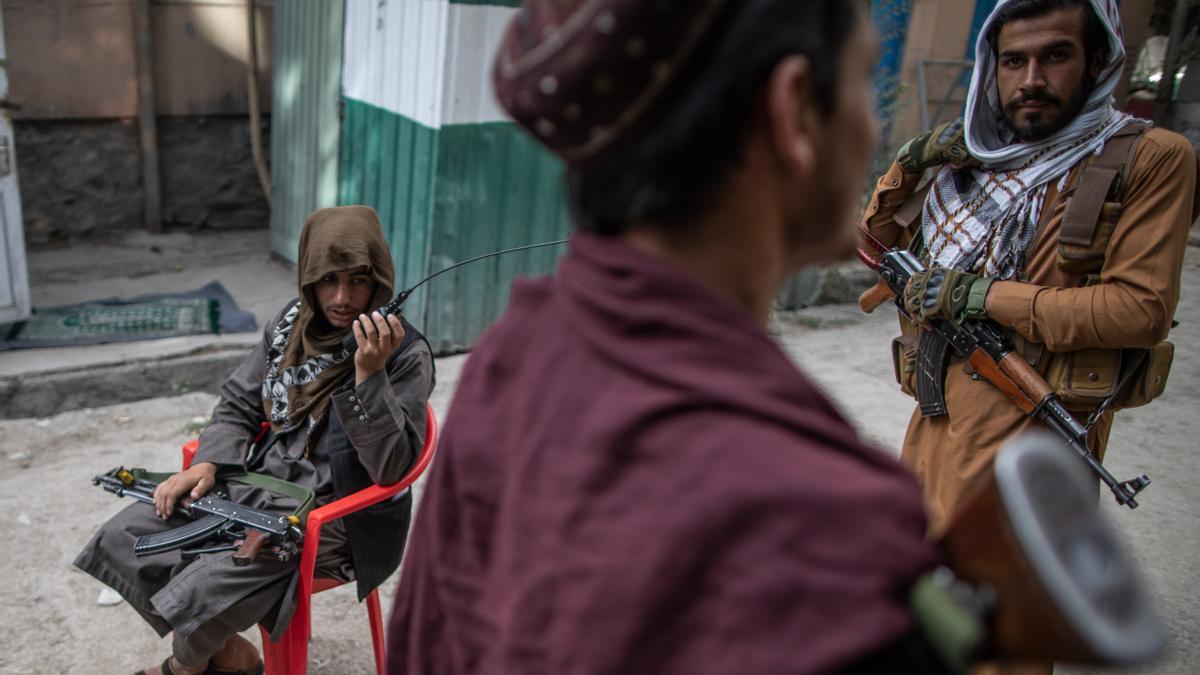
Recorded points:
(365, 497)
(189, 452)
(373, 494)
(190, 448)
(368, 496)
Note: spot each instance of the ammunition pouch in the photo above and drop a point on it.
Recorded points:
(1083, 379)
(904, 356)
(1093, 202)
(1079, 257)
(1086, 378)
(1149, 381)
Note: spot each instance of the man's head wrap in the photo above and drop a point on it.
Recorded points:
(987, 136)
(307, 361)
(984, 220)
(580, 74)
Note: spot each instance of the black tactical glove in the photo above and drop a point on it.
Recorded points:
(944, 144)
(944, 294)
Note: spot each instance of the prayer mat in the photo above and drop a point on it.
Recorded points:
(206, 310)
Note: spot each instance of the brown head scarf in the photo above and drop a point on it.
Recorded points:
(307, 362)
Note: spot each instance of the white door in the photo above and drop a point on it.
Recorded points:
(14, 280)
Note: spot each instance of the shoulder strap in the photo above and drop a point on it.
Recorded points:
(910, 209)
(1103, 176)
(303, 494)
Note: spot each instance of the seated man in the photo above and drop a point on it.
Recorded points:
(339, 423)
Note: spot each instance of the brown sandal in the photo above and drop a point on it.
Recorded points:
(256, 670)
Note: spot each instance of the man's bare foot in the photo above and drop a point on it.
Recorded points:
(238, 655)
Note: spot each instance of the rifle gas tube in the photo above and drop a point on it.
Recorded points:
(990, 353)
(350, 344)
(250, 531)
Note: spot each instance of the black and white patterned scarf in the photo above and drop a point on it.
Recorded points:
(276, 384)
(984, 220)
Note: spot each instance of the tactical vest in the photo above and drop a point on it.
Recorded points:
(1087, 378)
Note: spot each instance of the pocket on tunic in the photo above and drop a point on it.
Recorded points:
(1084, 378)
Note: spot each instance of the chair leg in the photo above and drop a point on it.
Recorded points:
(274, 654)
(289, 656)
(375, 616)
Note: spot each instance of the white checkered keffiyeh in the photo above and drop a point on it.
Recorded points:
(984, 220)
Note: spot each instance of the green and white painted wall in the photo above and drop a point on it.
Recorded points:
(424, 142)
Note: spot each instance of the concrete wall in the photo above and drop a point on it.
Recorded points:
(72, 70)
(81, 179)
(73, 59)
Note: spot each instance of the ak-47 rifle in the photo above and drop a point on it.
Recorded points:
(249, 532)
(990, 353)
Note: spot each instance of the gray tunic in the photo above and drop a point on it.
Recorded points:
(206, 600)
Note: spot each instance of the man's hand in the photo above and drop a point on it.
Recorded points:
(195, 482)
(377, 338)
(944, 294)
(944, 144)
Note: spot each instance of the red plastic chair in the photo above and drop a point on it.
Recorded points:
(289, 656)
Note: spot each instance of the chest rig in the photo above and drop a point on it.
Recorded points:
(1093, 201)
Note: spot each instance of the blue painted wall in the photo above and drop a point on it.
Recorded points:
(891, 19)
(982, 9)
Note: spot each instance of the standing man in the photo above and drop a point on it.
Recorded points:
(634, 478)
(1050, 213)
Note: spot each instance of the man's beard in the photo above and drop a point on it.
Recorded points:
(1045, 126)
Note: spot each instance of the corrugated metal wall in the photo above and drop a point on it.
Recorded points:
(305, 128)
(392, 83)
(425, 144)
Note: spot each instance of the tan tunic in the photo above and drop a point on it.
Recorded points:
(1132, 304)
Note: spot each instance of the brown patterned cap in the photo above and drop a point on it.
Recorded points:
(580, 73)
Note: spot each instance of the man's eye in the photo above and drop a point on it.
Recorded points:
(1014, 62)
(358, 281)
(1057, 57)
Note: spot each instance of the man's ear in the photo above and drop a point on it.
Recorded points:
(791, 114)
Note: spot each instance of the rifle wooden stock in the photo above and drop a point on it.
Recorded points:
(875, 296)
(1013, 377)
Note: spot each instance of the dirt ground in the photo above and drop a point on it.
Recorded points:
(51, 621)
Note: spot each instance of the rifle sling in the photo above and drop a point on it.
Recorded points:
(304, 496)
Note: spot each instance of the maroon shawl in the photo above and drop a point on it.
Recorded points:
(635, 479)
